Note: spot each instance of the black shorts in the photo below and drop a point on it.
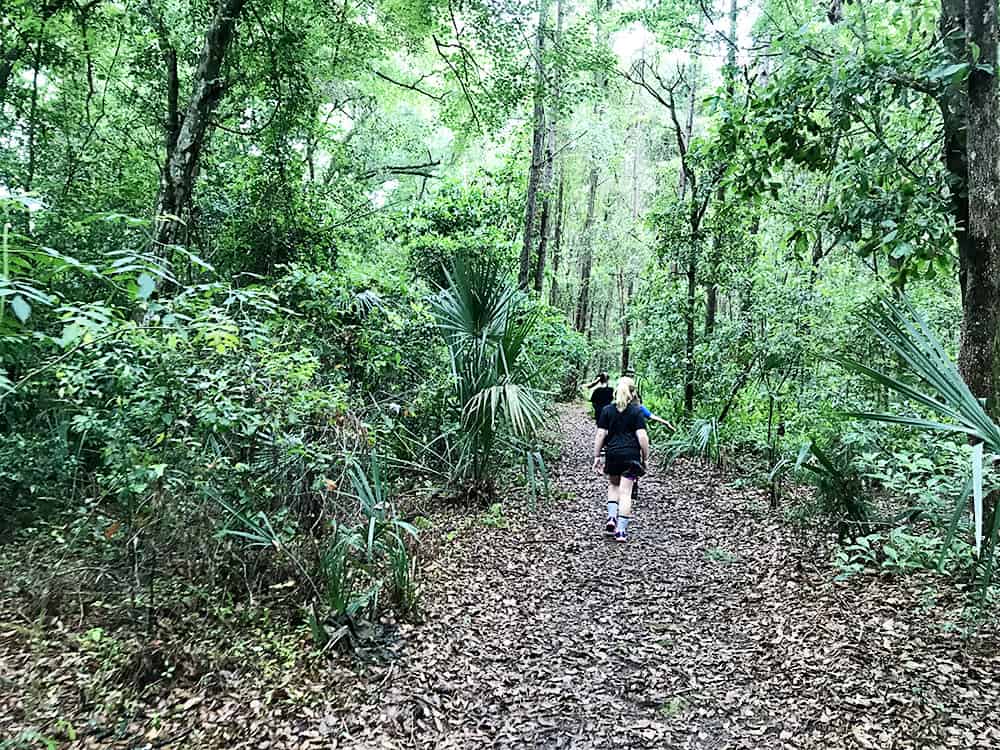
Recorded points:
(623, 466)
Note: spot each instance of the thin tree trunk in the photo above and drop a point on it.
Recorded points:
(586, 260)
(624, 296)
(550, 158)
(953, 103)
(692, 287)
(543, 222)
(625, 290)
(184, 155)
(557, 243)
(537, 147)
(692, 265)
(715, 259)
(33, 114)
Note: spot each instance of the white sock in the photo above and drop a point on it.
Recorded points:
(623, 523)
(612, 509)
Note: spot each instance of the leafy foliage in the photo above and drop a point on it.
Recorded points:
(486, 325)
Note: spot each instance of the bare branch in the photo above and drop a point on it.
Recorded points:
(411, 86)
(416, 170)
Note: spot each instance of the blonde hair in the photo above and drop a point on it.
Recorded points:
(624, 393)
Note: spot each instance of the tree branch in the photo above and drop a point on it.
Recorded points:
(411, 86)
(416, 170)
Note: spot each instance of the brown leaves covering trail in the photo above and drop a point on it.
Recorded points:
(712, 628)
(715, 627)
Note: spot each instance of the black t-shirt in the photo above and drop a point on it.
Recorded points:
(600, 398)
(621, 427)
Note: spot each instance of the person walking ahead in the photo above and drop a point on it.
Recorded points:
(621, 431)
(601, 395)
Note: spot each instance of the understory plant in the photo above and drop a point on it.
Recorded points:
(840, 490)
(487, 325)
(932, 381)
(347, 570)
(701, 440)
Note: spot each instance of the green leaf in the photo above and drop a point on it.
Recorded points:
(954, 72)
(147, 285)
(21, 308)
(977, 493)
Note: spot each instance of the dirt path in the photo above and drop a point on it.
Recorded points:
(710, 629)
(717, 626)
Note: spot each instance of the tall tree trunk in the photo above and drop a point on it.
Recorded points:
(557, 235)
(715, 258)
(692, 264)
(184, 145)
(954, 105)
(537, 147)
(555, 110)
(692, 288)
(587, 259)
(981, 268)
(544, 219)
(625, 290)
(624, 297)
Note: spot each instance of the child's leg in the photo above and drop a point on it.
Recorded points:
(624, 506)
(625, 496)
(613, 493)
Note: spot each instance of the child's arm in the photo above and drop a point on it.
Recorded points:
(643, 437)
(663, 421)
(598, 444)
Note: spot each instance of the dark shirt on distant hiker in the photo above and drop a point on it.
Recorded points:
(621, 426)
(600, 398)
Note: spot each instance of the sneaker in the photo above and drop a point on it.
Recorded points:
(610, 526)
(621, 536)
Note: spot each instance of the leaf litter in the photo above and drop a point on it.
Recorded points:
(717, 626)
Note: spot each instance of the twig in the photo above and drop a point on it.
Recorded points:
(411, 86)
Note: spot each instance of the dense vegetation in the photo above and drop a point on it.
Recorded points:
(278, 276)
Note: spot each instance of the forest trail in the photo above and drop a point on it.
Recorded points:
(717, 626)
(710, 629)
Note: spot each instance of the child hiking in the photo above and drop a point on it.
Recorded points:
(621, 432)
(601, 395)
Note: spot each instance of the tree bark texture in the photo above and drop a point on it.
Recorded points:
(557, 236)
(694, 219)
(550, 158)
(185, 136)
(715, 258)
(980, 266)
(587, 240)
(587, 256)
(537, 148)
(545, 218)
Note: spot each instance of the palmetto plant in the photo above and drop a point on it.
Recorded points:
(941, 390)
(700, 440)
(840, 490)
(486, 326)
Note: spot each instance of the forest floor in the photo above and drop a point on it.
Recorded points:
(719, 625)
